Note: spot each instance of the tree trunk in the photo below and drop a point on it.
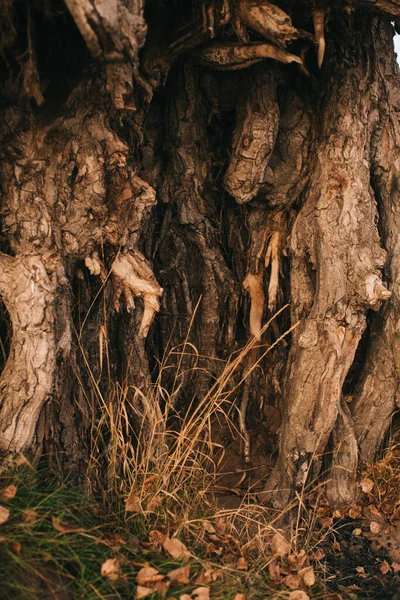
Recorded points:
(171, 182)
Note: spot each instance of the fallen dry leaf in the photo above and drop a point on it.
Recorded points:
(357, 531)
(111, 569)
(30, 516)
(395, 566)
(208, 527)
(308, 576)
(155, 502)
(221, 526)
(175, 548)
(373, 510)
(274, 571)
(355, 511)
(161, 587)
(384, 567)
(326, 522)
(280, 546)
(200, 593)
(240, 597)
(298, 595)
(297, 559)
(366, 485)
(208, 576)
(292, 581)
(133, 504)
(375, 527)
(317, 555)
(241, 564)
(181, 575)
(4, 514)
(156, 539)
(148, 575)
(185, 597)
(142, 592)
(15, 547)
(8, 493)
(65, 527)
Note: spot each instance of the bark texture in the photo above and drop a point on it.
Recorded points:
(170, 183)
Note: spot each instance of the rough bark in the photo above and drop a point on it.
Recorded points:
(158, 182)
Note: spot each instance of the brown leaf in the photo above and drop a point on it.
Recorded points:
(133, 504)
(8, 493)
(200, 593)
(156, 539)
(208, 576)
(111, 569)
(317, 555)
(280, 546)
(180, 576)
(384, 567)
(274, 571)
(155, 502)
(308, 576)
(240, 597)
(241, 564)
(148, 575)
(326, 522)
(366, 485)
(15, 547)
(357, 531)
(373, 510)
(292, 581)
(161, 587)
(185, 597)
(355, 511)
(208, 527)
(375, 527)
(298, 595)
(65, 527)
(142, 592)
(297, 559)
(30, 516)
(4, 514)
(395, 566)
(175, 548)
(220, 526)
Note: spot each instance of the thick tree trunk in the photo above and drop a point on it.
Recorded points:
(149, 180)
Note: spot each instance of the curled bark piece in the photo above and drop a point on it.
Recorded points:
(238, 56)
(319, 29)
(268, 20)
(95, 266)
(137, 279)
(376, 291)
(27, 382)
(272, 257)
(257, 122)
(254, 285)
